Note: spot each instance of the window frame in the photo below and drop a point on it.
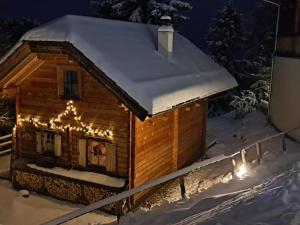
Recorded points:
(99, 140)
(46, 132)
(97, 168)
(61, 70)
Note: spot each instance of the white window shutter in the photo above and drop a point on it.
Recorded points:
(44, 142)
(111, 158)
(82, 152)
(38, 138)
(57, 140)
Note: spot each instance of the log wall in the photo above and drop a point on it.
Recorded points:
(38, 96)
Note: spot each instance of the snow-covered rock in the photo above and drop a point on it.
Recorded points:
(24, 193)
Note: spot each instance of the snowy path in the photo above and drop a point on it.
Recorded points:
(16, 210)
(4, 164)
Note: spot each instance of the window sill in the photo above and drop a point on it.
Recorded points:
(74, 98)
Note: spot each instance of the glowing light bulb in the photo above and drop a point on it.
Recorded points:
(241, 172)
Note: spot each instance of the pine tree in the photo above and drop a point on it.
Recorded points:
(226, 38)
(260, 43)
(11, 31)
(141, 11)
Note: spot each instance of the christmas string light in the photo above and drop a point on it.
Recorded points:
(56, 123)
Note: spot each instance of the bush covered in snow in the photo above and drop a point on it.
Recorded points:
(261, 88)
(245, 103)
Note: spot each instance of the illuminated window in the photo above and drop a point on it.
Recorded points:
(97, 153)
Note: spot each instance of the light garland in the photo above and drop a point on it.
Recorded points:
(53, 123)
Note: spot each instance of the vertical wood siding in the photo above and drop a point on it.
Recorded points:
(180, 132)
(192, 127)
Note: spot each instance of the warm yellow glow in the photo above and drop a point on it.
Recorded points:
(55, 123)
(241, 172)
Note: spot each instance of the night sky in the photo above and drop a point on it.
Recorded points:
(45, 10)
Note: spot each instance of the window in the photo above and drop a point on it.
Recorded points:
(49, 142)
(97, 153)
(71, 85)
(69, 82)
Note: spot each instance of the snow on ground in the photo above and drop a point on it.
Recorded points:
(234, 134)
(228, 132)
(276, 202)
(269, 194)
(83, 175)
(36, 209)
(4, 164)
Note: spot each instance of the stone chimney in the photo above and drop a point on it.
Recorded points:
(165, 37)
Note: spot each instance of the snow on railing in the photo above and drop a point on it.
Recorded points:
(178, 174)
(5, 144)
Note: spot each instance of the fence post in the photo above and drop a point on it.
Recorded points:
(283, 142)
(182, 187)
(258, 152)
(233, 165)
(243, 154)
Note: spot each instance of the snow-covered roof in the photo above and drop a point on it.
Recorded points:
(127, 53)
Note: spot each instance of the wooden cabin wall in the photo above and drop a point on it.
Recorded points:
(168, 142)
(192, 131)
(153, 149)
(38, 96)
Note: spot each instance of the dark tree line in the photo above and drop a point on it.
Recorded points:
(245, 49)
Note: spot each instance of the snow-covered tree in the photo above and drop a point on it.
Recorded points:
(261, 88)
(7, 115)
(11, 30)
(141, 11)
(226, 37)
(245, 103)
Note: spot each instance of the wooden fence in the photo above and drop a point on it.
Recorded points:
(244, 156)
(5, 144)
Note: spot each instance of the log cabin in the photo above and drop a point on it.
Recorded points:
(104, 106)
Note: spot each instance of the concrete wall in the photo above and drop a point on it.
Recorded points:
(285, 95)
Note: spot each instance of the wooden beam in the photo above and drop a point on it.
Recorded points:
(6, 136)
(31, 70)
(17, 68)
(22, 50)
(19, 76)
(10, 92)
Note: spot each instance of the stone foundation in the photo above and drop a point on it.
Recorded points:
(64, 188)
